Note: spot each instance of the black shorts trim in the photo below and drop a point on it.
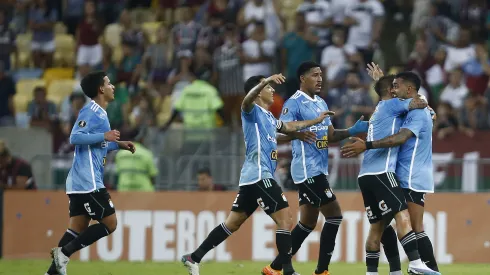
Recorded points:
(414, 196)
(95, 205)
(265, 193)
(316, 191)
(383, 197)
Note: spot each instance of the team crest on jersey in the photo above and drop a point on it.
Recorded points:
(285, 111)
(322, 143)
(82, 123)
(274, 155)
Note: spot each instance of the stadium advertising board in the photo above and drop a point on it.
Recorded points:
(162, 226)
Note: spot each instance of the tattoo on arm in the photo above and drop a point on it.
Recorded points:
(247, 102)
(338, 135)
(294, 126)
(393, 140)
(417, 103)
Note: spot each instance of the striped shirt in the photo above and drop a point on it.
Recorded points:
(226, 61)
(185, 35)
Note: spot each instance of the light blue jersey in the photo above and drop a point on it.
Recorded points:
(384, 122)
(259, 128)
(414, 165)
(309, 160)
(87, 171)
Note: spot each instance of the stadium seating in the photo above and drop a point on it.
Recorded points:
(65, 50)
(58, 73)
(59, 89)
(151, 29)
(23, 43)
(26, 86)
(112, 35)
(27, 74)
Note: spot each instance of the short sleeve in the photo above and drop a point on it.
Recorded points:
(215, 100)
(289, 111)
(179, 103)
(250, 116)
(86, 123)
(152, 169)
(327, 120)
(414, 121)
(378, 9)
(399, 106)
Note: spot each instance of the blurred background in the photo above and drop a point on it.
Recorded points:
(179, 68)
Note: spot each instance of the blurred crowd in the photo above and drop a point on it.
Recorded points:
(185, 61)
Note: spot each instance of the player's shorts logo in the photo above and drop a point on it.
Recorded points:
(322, 143)
(82, 123)
(274, 155)
(370, 213)
(384, 208)
(284, 197)
(329, 193)
(110, 202)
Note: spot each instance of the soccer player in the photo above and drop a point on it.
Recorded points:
(89, 200)
(309, 167)
(415, 141)
(257, 184)
(383, 197)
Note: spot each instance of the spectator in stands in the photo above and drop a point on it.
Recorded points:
(319, 18)
(205, 181)
(461, 53)
(228, 76)
(456, 91)
(425, 65)
(260, 11)
(446, 122)
(7, 93)
(473, 115)
(355, 99)
(41, 21)
(89, 53)
(211, 36)
(137, 172)
(73, 14)
(15, 173)
(20, 17)
(157, 60)
(186, 32)
(438, 29)
(142, 113)
(365, 21)
(228, 8)
(131, 34)
(297, 47)
(182, 75)
(257, 53)
(477, 71)
(473, 14)
(41, 111)
(130, 67)
(335, 56)
(356, 63)
(77, 101)
(7, 43)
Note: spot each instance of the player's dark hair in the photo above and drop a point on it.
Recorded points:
(252, 82)
(383, 85)
(410, 77)
(92, 82)
(304, 68)
(204, 170)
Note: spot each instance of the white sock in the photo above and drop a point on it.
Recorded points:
(399, 272)
(371, 273)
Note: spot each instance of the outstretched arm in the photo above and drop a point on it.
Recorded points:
(293, 126)
(359, 145)
(336, 135)
(305, 136)
(248, 101)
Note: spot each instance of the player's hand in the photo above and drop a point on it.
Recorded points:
(323, 116)
(432, 113)
(374, 71)
(353, 149)
(277, 78)
(112, 135)
(127, 145)
(360, 126)
(306, 136)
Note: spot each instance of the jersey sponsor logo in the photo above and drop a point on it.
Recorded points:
(305, 101)
(82, 123)
(315, 128)
(274, 155)
(271, 139)
(285, 111)
(322, 143)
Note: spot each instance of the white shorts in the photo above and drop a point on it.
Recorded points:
(45, 47)
(89, 55)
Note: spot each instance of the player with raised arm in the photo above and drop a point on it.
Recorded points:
(382, 195)
(257, 184)
(309, 167)
(88, 197)
(415, 141)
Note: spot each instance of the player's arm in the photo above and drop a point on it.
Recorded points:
(82, 132)
(305, 136)
(336, 135)
(417, 103)
(293, 126)
(391, 141)
(248, 101)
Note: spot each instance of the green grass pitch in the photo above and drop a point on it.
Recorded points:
(39, 267)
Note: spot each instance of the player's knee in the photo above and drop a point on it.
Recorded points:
(418, 226)
(110, 224)
(235, 220)
(373, 244)
(402, 219)
(285, 223)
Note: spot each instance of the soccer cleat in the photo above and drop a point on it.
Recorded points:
(421, 271)
(192, 266)
(323, 273)
(268, 270)
(60, 260)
